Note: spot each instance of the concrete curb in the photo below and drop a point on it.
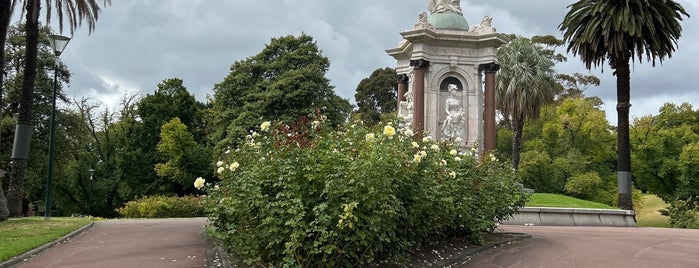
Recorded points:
(547, 216)
(218, 257)
(36, 251)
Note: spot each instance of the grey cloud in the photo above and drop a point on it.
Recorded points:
(138, 43)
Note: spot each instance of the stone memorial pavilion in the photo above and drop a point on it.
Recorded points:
(446, 75)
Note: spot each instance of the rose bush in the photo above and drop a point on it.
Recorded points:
(305, 194)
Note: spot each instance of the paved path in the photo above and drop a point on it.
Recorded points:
(594, 247)
(148, 243)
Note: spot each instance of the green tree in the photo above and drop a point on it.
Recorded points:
(285, 81)
(620, 31)
(140, 133)
(75, 12)
(376, 95)
(658, 142)
(6, 8)
(568, 141)
(14, 69)
(185, 159)
(574, 86)
(524, 84)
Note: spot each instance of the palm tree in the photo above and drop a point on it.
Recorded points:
(524, 84)
(6, 7)
(74, 11)
(620, 31)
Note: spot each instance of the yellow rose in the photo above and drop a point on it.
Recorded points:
(234, 166)
(199, 182)
(265, 125)
(369, 136)
(389, 131)
(417, 158)
(453, 152)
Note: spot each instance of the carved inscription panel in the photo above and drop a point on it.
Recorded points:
(456, 51)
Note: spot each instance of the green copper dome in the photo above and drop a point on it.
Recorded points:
(448, 21)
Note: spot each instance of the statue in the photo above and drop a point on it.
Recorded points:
(422, 22)
(486, 26)
(454, 123)
(441, 6)
(406, 106)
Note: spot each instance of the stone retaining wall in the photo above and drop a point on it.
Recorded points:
(573, 217)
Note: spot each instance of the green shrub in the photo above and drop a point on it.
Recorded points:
(539, 173)
(682, 213)
(307, 195)
(584, 186)
(163, 207)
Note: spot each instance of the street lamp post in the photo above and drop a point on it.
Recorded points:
(58, 44)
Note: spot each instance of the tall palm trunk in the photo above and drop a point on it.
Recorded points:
(623, 94)
(18, 163)
(5, 13)
(517, 127)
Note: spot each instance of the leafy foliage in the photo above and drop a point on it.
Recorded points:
(659, 142)
(682, 213)
(584, 185)
(376, 95)
(285, 80)
(186, 159)
(307, 195)
(163, 207)
(567, 141)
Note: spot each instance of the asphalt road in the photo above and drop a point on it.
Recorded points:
(594, 247)
(148, 243)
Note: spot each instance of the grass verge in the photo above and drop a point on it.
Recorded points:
(562, 201)
(648, 215)
(19, 235)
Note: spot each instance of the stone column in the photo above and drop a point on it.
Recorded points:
(402, 86)
(489, 131)
(419, 95)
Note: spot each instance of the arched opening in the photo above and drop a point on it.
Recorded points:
(450, 80)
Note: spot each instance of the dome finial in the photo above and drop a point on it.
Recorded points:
(442, 6)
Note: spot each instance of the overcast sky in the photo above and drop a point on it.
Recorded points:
(139, 43)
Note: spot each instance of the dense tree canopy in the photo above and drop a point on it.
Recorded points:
(376, 95)
(285, 81)
(184, 159)
(659, 142)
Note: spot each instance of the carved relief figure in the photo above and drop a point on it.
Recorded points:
(453, 125)
(406, 106)
(441, 6)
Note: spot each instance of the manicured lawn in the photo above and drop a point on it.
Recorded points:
(562, 201)
(648, 215)
(19, 235)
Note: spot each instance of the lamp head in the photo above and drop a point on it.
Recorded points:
(58, 43)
